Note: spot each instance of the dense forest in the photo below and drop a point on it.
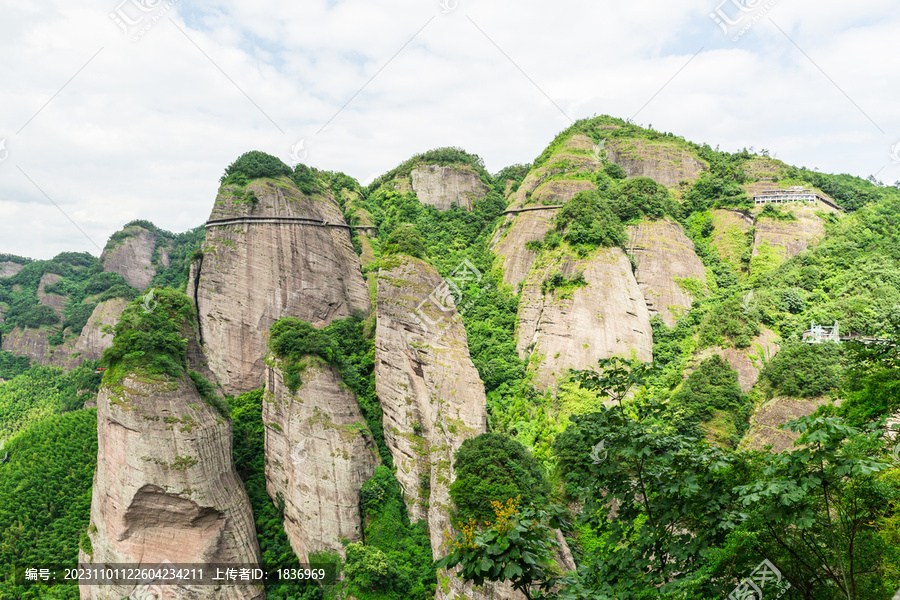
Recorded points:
(648, 469)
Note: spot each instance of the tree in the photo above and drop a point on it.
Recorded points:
(494, 468)
(616, 376)
(254, 165)
(405, 240)
(518, 546)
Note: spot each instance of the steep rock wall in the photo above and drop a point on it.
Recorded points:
(667, 267)
(431, 395)
(165, 488)
(748, 362)
(9, 268)
(443, 187)
(787, 238)
(252, 274)
(574, 329)
(319, 452)
(93, 339)
(132, 258)
(54, 301)
(664, 162)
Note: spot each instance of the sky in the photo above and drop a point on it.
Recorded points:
(117, 110)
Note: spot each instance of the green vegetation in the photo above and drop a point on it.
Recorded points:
(804, 370)
(155, 341)
(494, 468)
(404, 240)
(395, 561)
(712, 387)
(40, 392)
(588, 221)
(45, 499)
(249, 460)
(12, 365)
(347, 344)
(254, 165)
(439, 156)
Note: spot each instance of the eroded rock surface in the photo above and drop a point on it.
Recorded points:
(787, 238)
(165, 488)
(9, 268)
(443, 187)
(254, 273)
(132, 257)
(748, 362)
(54, 301)
(573, 328)
(95, 337)
(431, 395)
(664, 162)
(319, 452)
(767, 419)
(668, 268)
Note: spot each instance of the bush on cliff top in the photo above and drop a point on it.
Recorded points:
(152, 334)
(253, 165)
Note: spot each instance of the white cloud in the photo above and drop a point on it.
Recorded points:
(147, 127)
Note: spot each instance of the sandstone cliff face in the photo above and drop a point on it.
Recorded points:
(34, 343)
(133, 257)
(252, 274)
(431, 395)
(766, 420)
(572, 329)
(443, 187)
(93, 339)
(730, 229)
(9, 268)
(664, 162)
(748, 362)
(787, 238)
(667, 267)
(319, 452)
(535, 191)
(54, 301)
(165, 488)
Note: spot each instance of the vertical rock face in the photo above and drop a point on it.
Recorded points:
(664, 162)
(787, 238)
(9, 268)
(730, 229)
(93, 339)
(443, 187)
(319, 452)
(667, 267)
(255, 272)
(573, 328)
(132, 258)
(165, 488)
(430, 392)
(515, 232)
(748, 362)
(54, 301)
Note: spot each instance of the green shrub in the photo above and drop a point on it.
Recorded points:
(712, 386)
(38, 316)
(614, 170)
(803, 370)
(153, 341)
(494, 467)
(587, 221)
(405, 240)
(643, 196)
(254, 165)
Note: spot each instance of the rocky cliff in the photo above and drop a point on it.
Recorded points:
(443, 187)
(669, 272)
(776, 240)
(574, 326)
(54, 301)
(130, 254)
(9, 268)
(430, 392)
(730, 235)
(254, 272)
(319, 452)
(665, 162)
(165, 488)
